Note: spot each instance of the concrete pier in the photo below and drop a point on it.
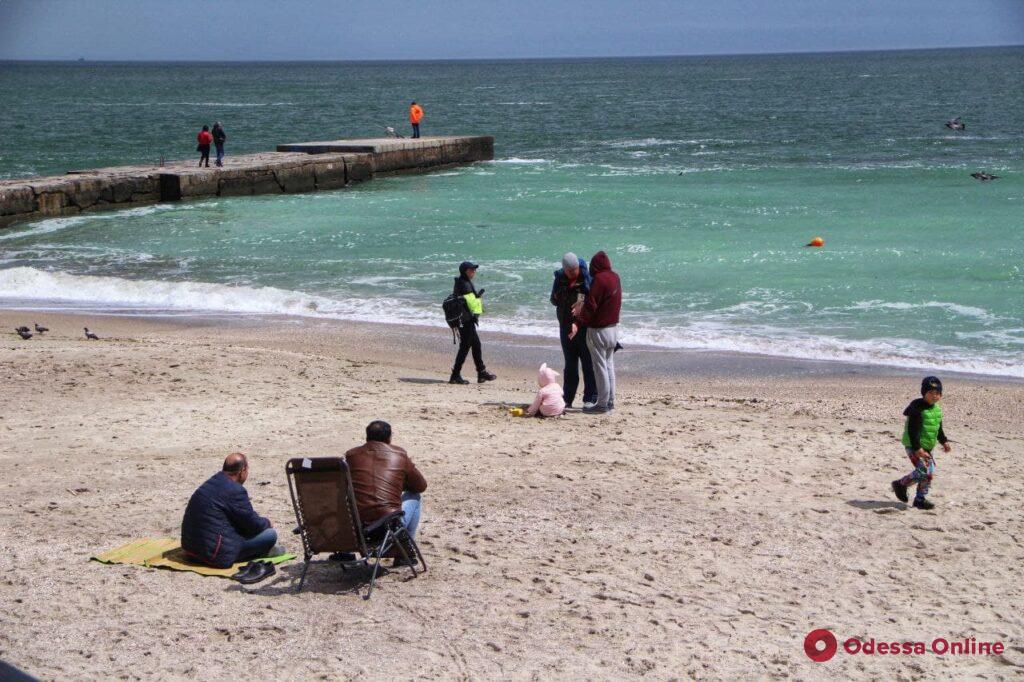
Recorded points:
(293, 168)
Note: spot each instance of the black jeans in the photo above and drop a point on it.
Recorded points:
(469, 340)
(204, 154)
(576, 353)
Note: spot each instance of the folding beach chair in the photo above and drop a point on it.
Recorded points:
(325, 509)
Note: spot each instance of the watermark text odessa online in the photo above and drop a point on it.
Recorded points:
(821, 645)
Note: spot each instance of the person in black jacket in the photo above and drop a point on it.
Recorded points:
(571, 286)
(220, 527)
(219, 138)
(468, 337)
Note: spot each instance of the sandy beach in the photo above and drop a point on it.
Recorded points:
(726, 508)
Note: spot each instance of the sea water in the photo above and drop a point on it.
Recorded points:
(702, 178)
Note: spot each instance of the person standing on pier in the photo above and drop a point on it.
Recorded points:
(415, 116)
(205, 139)
(219, 138)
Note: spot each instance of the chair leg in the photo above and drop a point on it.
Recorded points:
(419, 554)
(305, 568)
(400, 544)
(376, 565)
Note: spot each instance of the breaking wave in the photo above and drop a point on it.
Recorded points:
(62, 290)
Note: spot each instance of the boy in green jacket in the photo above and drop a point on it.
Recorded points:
(922, 431)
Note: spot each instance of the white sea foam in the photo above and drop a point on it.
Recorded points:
(49, 225)
(187, 104)
(40, 285)
(659, 142)
(954, 308)
(517, 160)
(707, 333)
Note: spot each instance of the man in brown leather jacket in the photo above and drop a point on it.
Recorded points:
(384, 478)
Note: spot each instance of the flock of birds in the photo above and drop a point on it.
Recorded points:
(958, 125)
(26, 333)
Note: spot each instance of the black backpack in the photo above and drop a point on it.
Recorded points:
(453, 307)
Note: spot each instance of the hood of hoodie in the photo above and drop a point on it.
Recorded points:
(600, 263)
(546, 375)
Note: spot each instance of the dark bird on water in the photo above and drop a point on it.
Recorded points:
(956, 124)
(90, 335)
(24, 333)
(22, 329)
(41, 329)
(984, 177)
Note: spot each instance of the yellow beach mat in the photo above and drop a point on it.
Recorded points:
(167, 553)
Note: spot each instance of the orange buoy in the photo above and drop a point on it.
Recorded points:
(817, 241)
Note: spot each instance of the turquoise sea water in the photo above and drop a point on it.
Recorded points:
(701, 177)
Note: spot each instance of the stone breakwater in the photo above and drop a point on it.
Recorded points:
(293, 168)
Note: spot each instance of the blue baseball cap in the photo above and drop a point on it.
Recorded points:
(467, 265)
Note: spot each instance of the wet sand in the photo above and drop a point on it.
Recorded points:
(728, 506)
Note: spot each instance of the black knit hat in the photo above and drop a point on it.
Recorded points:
(930, 384)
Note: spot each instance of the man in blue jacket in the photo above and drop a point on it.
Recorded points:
(220, 526)
(571, 285)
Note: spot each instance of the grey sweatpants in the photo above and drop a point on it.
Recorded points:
(601, 342)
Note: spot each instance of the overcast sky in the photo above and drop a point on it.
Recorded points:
(460, 29)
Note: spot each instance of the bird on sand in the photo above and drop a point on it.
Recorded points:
(24, 333)
(984, 177)
(41, 329)
(90, 335)
(22, 329)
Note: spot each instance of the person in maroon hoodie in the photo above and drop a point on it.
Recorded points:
(599, 313)
(204, 140)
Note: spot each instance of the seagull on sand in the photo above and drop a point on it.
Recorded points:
(24, 333)
(90, 335)
(22, 329)
(40, 329)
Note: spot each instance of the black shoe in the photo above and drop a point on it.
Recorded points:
(457, 379)
(345, 557)
(244, 571)
(596, 409)
(921, 503)
(261, 571)
(900, 490)
(483, 376)
(400, 562)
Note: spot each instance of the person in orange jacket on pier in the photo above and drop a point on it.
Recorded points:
(415, 116)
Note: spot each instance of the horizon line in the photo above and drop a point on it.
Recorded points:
(74, 60)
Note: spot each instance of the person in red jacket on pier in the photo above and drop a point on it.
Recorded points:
(204, 140)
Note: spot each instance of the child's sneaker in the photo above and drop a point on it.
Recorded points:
(900, 490)
(921, 503)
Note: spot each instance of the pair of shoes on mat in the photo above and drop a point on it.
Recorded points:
(255, 571)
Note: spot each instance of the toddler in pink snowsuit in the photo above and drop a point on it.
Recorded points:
(549, 401)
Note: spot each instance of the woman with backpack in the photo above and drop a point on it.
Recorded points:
(469, 340)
